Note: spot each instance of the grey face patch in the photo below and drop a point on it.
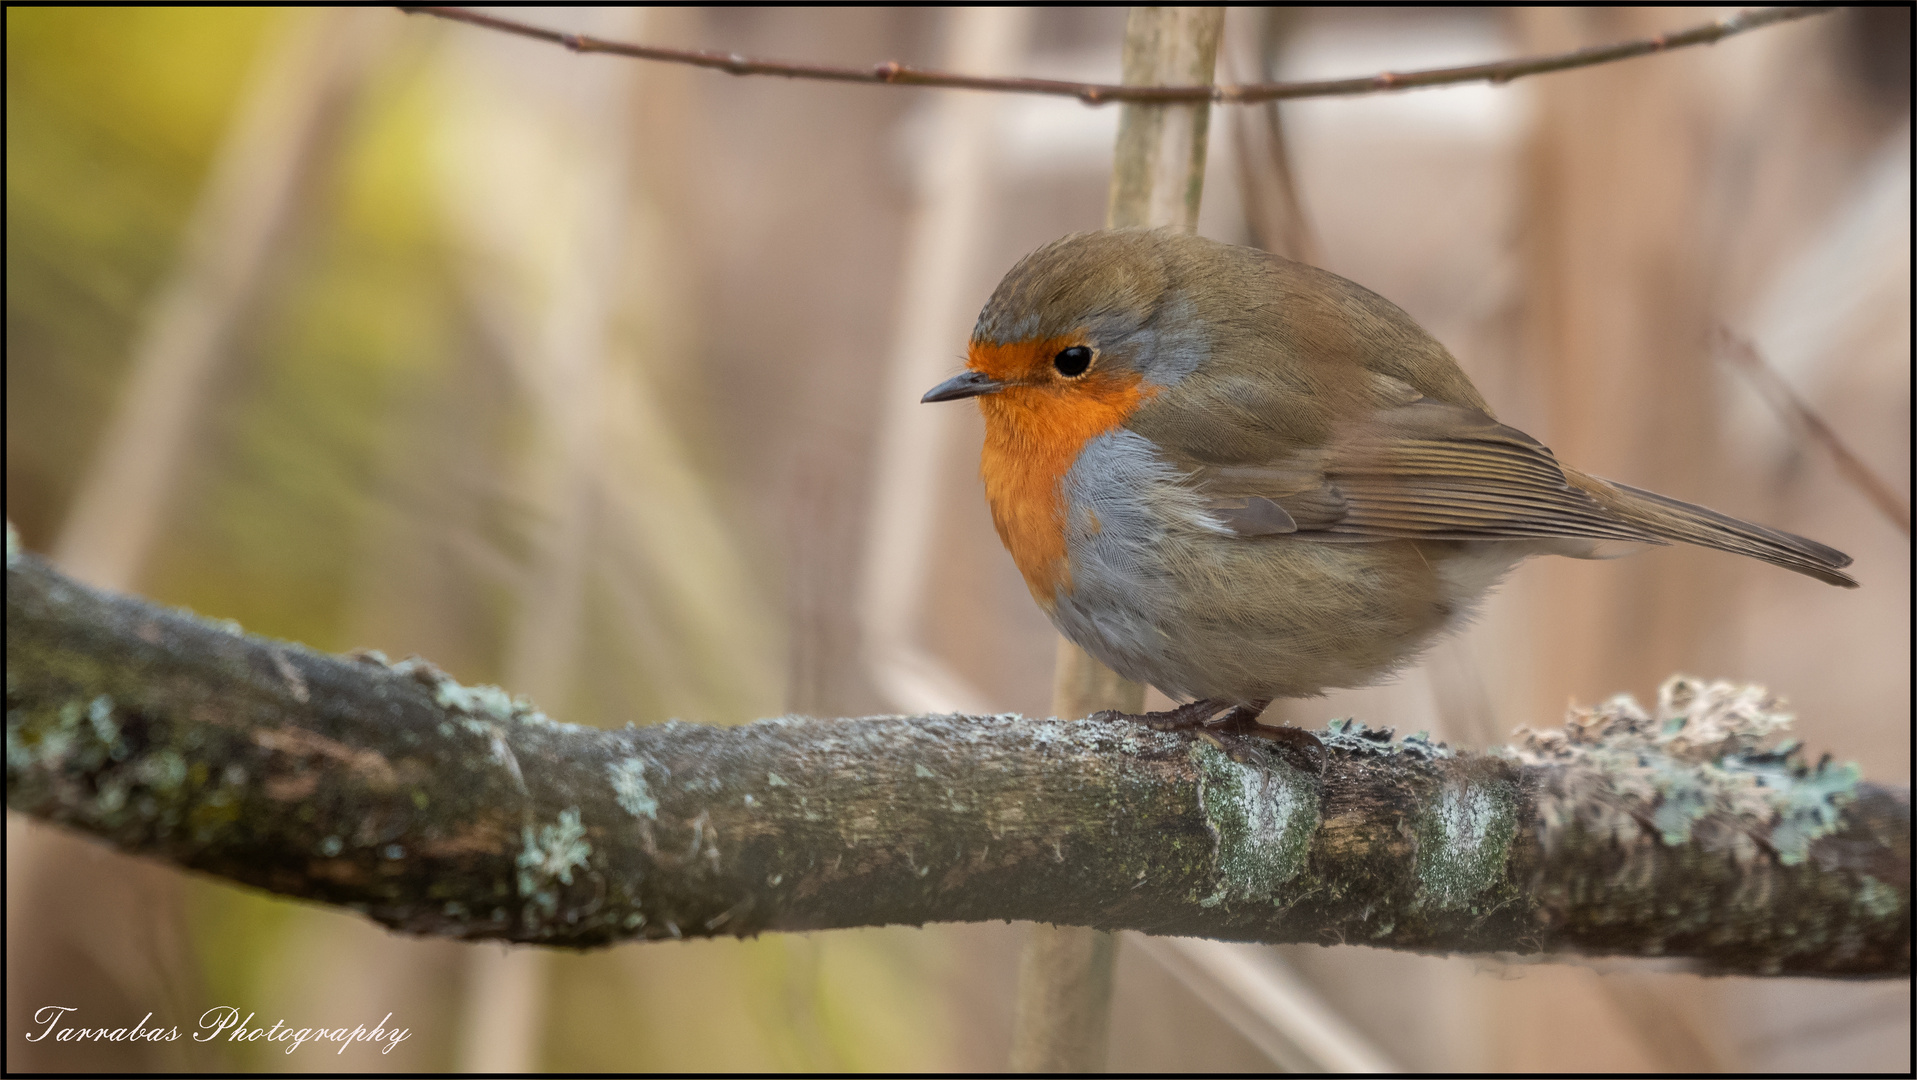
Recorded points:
(1173, 345)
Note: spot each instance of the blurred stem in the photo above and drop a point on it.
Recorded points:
(1064, 999)
(950, 223)
(1273, 209)
(1158, 176)
(1158, 170)
(1777, 393)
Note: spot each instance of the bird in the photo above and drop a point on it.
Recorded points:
(1239, 478)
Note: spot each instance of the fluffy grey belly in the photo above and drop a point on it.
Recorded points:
(1162, 593)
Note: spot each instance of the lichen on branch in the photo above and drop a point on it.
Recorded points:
(1710, 752)
(438, 808)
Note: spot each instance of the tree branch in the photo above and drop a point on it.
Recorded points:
(893, 73)
(442, 809)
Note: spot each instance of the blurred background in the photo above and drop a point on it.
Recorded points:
(598, 380)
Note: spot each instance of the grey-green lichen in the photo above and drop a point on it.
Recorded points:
(1261, 817)
(156, 783)
(551, 853)
(630, 789)
(1708, 749)
(165, 769)
(83, 735)
(1463, 840)
(100, 715)
(1878, 900)
(481, 701)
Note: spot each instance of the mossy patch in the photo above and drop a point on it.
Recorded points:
(1261, 818)
(1464, 837)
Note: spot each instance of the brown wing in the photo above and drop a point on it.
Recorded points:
(1418, 469)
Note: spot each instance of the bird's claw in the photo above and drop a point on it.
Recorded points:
(1232, 731)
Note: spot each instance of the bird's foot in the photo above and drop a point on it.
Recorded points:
(1186, 717)
(1232, 728)
(1243, 733)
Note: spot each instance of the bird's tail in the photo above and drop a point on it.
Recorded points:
(1681, 521)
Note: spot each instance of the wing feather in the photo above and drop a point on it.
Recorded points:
(1418, 469)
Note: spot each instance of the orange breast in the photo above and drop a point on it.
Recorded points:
(1033, 434)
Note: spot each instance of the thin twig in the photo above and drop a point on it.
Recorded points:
(1795, 412)
(893, 73)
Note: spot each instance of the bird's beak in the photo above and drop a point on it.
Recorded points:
(963, 385)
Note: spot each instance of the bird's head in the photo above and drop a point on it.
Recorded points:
(1092, 323)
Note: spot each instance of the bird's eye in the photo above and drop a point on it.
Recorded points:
(1072, 362)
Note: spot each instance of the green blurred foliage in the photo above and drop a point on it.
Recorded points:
(113, 115)
(362, 432)
(845, 1001)
(362, 319)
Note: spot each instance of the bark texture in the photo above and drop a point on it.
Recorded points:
(437, 808)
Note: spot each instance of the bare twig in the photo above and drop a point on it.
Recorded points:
(893, 73)
(1797, 414)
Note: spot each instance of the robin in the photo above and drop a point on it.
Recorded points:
(1238, 478)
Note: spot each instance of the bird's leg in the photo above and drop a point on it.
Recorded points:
(1297, 744)
(1242, 719)
(1187, 717)
(1239, 723)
